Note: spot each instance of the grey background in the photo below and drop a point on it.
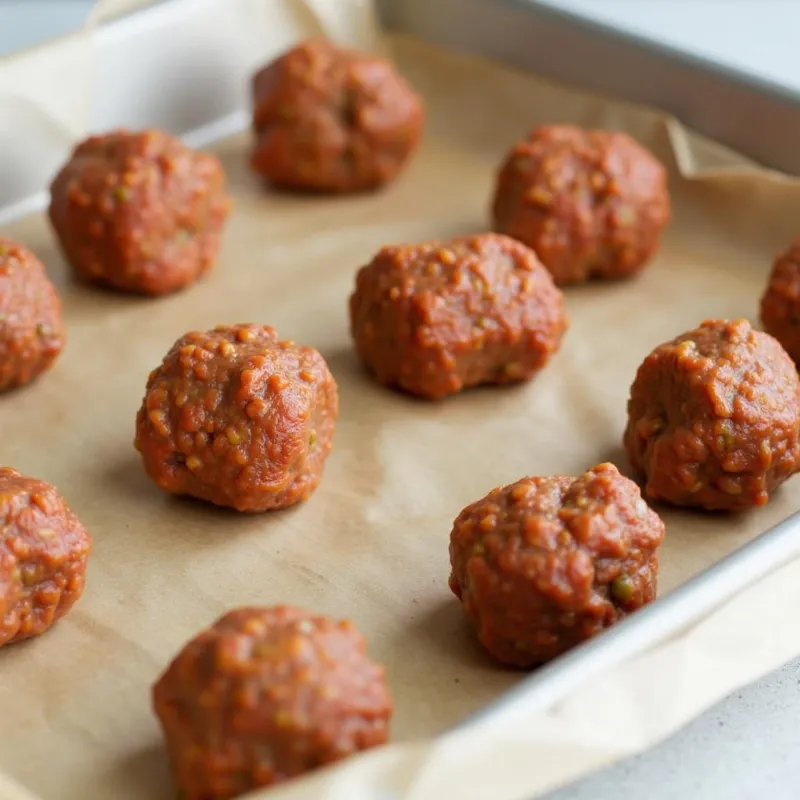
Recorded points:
(747, 747)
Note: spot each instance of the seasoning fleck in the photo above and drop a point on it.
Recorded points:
(622, 588)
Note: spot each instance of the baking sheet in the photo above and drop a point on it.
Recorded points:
(371, 544)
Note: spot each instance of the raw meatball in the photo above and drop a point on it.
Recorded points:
(235, 417)
(435, 318)
(139, 212)
(714, 416)
(31, 330)
(332, 120)
(267, 694)
(44, 550)
(591, 203)
(780, 304)
(545, 563)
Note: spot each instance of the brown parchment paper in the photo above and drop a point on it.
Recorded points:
(371, 544)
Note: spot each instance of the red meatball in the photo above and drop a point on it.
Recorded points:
(44, 550)
(435, 318)
(238, 418)
(332, 120)
(139, 212)
(591, 203)
(267, 694)
(780, 304)
(31, 329)
(714, 418)
(545, 563)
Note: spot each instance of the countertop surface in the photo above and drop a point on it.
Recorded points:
(747, 746)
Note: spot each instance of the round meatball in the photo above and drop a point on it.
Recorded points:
(545, 563)
(267, 694)
(31, 329)
(44, 550)
(435, 318)
(780, 304)
(591, 203)
(238, 418)
(139, 212)
(332, 120)
(714, 417)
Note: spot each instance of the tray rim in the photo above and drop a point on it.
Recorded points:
(652, 46)
(710, 97)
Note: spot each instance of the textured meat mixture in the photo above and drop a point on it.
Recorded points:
(139, 212)
(31, 329)
(238, 418)
(714, 417)
(44, 550)
(265, 695)
(435, 318)
(545, 563)
(780, 304)
(591, 203)
(333, 120)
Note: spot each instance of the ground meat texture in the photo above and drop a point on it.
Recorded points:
(591, 203)
(238, 418)
(139, 212)
(31, 328)
(267, 694)
(435, 318)
(44, 550)
(714, 417)
(545, 563)
(780, 304)
(332, 120)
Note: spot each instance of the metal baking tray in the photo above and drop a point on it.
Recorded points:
(715, 99)
(527, 35)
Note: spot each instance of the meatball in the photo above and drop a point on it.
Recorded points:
(139, 212)
(31, 330)
(332, 120)
(713, 418)
(267, 694)
(545, 563)
(435, 318)
(238, 418)
(591, 203)
(780, 304)
(44, 550)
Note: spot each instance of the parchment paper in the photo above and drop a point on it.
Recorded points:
(371, 544)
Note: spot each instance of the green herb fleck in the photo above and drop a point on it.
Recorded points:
(622, 588)
(121, 194)
(520, 163)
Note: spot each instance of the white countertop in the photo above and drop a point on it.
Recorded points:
(747, 746)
